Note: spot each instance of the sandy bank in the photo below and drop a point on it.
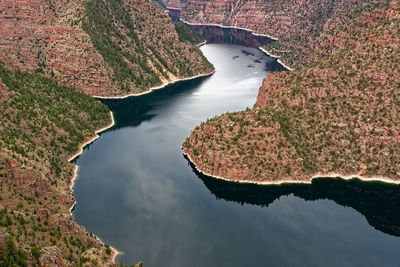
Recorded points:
(156, 87)
(289, 181)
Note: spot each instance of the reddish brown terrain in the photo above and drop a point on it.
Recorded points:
(47, 37)
(339, 112)
(42, 125)
(339, 115)
(276, 18)
(44, 36)
(332, 35)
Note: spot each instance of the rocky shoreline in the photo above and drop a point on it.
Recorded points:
(156, 87)
(278, 57)
(80, 149)
(288, 181)
(114, 252)
(318, 121)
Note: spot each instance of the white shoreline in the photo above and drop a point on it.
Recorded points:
(164, 84)
(318, 175)
(115, 252)
(71, 187)
(284, 65)
(268, 53)
(230, 27)
(202, 43)
(81, 146)
(278, 57)
(172, 8)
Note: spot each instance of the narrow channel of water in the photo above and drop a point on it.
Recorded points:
(138, 193)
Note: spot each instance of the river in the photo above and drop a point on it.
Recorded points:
(137, 192)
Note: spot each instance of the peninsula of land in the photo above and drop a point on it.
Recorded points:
(337, 116)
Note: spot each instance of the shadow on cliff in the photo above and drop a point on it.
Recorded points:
(377, 201)
(218, 35)
(132, 111)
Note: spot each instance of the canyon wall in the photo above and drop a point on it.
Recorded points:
(45, 37)
(90, 47)
(216, 34)
(276, 18)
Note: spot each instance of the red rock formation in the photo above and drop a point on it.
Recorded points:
(46, 36)
(33, 37)
(276, 18)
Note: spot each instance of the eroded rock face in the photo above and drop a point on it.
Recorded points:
(51, 256)
(44, 36)
(277, 18)
(215, 34)
(48, 37)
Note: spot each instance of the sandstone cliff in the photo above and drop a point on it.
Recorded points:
(277, 18)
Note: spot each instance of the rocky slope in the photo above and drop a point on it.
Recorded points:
(314, 43)
(98, 47)
(339, 115)
(277, 18)
(140, 43)
(42, 125)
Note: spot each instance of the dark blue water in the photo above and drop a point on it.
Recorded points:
(137, 192)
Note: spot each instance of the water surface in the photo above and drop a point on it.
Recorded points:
(138, 193)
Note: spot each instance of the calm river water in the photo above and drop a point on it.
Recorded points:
(137, 192)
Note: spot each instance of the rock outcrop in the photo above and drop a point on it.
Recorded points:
(45, 37)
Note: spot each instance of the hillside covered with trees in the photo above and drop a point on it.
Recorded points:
(42, 125)
(104, 48)
(340, 114)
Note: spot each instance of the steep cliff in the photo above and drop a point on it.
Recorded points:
(276, 18)
(98, 47)
(339, 115)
